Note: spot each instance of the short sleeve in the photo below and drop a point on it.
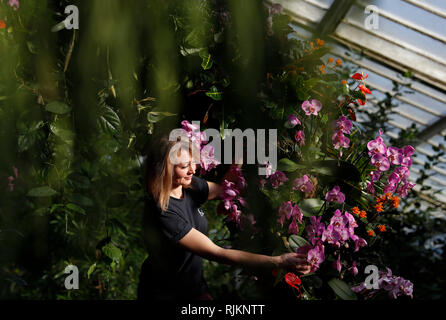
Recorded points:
(173, 226)
(200, 190)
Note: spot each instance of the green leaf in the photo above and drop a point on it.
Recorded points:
(206, 60)
(109, 121)
(112, 252)
(57, 107)
(91, 269)
(42, 192)
(116, 200)
(296, 242)
(342, 289)
(80, 200)
(287, 165)
(310, 207)
(214, 93)
(75, 208)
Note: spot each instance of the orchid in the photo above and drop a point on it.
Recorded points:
(300, 137)
(343, 125)
(335, 195)
(277, 179)
(380, 162)
(303, 184)
(293, 120)
(340, 141)
(311, 108)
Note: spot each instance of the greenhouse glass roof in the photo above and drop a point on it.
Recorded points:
(401, 36)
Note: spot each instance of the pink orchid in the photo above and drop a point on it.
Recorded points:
(303, 184)
(311, 108)
(380, 162)
(337, 264)
(300, 137)
(395, 155)
(340, 141)
(335, 195)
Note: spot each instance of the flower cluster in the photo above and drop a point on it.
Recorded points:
(382, 157)
(288, 211)
(337, 233)
(207, 159)
(335, 195)
(232, 198)
(396, 286)
(341, 126)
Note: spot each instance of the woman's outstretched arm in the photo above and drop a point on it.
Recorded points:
(200, 244)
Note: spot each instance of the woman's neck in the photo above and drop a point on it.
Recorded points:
(177, 192)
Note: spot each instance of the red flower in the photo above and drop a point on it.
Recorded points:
(364, 89)
(292, 280)
(360, 76)
(2, 24)
(361, 102)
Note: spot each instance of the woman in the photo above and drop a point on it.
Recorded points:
(175, 227)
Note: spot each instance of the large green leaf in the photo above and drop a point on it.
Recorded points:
(109, 121)
(288, 165)
(296, 242)
(57, 107)
(311, 207)
(342, 289)
(42, 192)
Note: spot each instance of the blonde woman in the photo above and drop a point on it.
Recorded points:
(175, 229)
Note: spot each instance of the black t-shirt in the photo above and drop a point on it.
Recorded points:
(171, 272)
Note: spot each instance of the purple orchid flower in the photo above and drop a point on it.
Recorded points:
(375, 175)
(277, 179)
(335, 195)
(293, 120)
(343, 125)
(316, 256)
(303, 184)
(402, 191)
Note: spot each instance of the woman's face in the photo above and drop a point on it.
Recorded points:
(182, 172)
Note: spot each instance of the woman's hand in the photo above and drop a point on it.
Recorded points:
(294, 262)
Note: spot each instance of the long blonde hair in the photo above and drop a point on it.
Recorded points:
(159, 170)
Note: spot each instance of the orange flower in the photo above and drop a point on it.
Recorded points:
(2, 24)
(382, 228)
(379, 207)
(356, 210)
(371, 233)
(363, 214)
(344, 82)
(395, 202)
(322, 69)
(320, 42)
(330, 60)
(339, 62)
(389, 196)
(382, 199)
